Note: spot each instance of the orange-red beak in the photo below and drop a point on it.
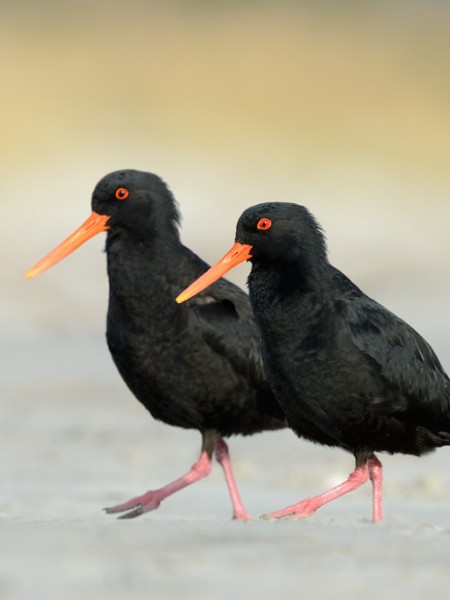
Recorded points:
(237, 254)
(95, 224)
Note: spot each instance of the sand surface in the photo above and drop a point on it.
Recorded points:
(72, 446)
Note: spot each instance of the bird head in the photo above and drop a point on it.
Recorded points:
(123, 200)
(269, 235)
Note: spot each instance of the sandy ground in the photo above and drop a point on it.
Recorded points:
(74, 443)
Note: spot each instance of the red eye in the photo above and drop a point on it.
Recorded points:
(122, 193)
(264, 224)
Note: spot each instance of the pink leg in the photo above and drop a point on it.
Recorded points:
(376, 477)
(307, 507)
(223, 458)
(152, 499)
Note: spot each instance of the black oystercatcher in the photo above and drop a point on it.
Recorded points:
(195, 366)
(347, 372)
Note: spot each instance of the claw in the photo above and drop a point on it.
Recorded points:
(134, 503)
(137, 512)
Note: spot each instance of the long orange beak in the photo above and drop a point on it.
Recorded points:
(95, 224)
(237, 254)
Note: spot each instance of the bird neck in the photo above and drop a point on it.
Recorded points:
(284, 295)
(143, 272)
(282, 279)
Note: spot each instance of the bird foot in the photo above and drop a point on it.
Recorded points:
(242, 515)
(305, 508)
(141, 504)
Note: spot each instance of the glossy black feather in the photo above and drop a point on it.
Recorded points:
(197, 365)
(346, 371)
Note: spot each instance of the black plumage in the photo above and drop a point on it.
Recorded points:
(197, 366)
(347, 372)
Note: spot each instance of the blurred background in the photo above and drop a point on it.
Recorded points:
(341, 106)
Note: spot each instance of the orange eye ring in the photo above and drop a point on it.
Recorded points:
(264, 224)
(122, 193)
